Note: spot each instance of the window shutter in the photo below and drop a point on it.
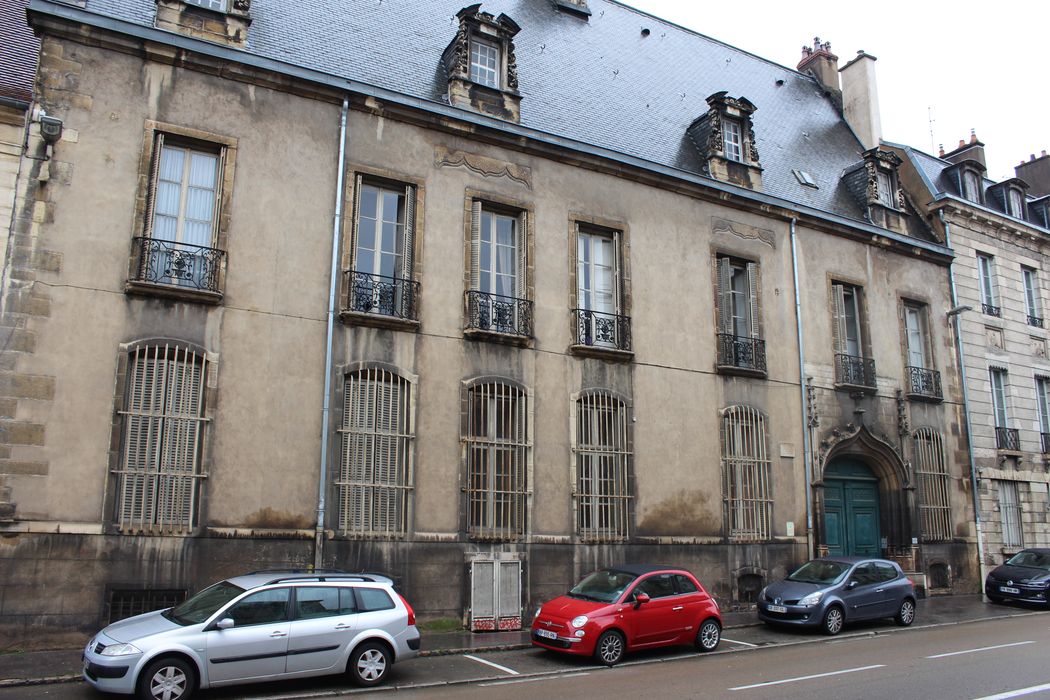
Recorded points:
(578, 243)
(154, 176)
(475, 244)
(725, 298)
(220, 175)
(752, 298)
(358, 183)
(410, 232)
(618, 273)
(521, 286)
(838, 326)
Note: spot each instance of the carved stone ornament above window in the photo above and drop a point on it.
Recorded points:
(875, 184)
(725, 138)
(480, 64)
(221, 21)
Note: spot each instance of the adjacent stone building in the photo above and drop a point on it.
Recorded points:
(484, 297)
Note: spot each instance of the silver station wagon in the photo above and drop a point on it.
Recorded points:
(263, 626)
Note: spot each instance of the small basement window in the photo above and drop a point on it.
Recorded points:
(806, 179)
(128, 602)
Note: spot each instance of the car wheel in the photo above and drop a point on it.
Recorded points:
(906, 614)
(610, 648)
(832, 622)
(369, 664)
(167, 679)
(708, 636)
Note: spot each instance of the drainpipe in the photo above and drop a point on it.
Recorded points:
(954, 314)
(332, 287)
(807, 450)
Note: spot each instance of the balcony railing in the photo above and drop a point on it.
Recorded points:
(499, 314)
(924, 382)
(1036, 321)
(384, 296)
(1008, 439)
(178, 264)
(1046, 442)
(741, 352)
(602, 330)
(991, 310)
(855, 371)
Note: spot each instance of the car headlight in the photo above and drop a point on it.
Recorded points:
(762, 593)
(811, 599)
(538, 611)
(579, 621)
(120, 650)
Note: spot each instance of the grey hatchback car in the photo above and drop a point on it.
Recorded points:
(831, 591)
(263, 626)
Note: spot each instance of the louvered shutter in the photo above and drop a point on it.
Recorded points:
(725, 297)
(410, 231)
(752, 298)
(154, 177)
(475, 245)
(220, 175)
(617, 239)
(838, 326)
(521, 286)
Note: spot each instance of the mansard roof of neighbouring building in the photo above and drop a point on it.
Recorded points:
(617, 79)
(18, 51)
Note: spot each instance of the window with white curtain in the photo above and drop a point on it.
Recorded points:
(1015, 203)
(972, 186)
(1032, 296)
(988, 286)
(602, 453)
(931, 469)
(747, 480)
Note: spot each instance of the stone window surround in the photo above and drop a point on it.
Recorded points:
(620, 231)
(885, 163)
(579, 401)
(228, 26)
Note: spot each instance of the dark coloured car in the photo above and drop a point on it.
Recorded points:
(1024, 577)
(832, 591)
(621, 609)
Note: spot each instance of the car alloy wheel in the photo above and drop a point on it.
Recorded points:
(369, 664)
(906, 614)
(833, 620)
(610, 648)
(708, 636)
(167, 679)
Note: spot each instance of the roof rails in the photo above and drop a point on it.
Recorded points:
(372, 578)
(297, 571)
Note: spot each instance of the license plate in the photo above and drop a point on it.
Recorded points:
(546, 634)
(776, 608)
(1007, 589)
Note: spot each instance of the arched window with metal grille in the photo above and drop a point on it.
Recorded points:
(375, 475)
(747, 482)
(931, 472)
(602, 450)
(497, 444)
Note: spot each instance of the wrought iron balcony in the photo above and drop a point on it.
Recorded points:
(1008, 439)
(991, 310)
(924, 383)
(1046, 442)
(602, 330)
(854, 371)
(499, 314)
(741, 352)
(194, 267)
(384, 296)
(1036, 321)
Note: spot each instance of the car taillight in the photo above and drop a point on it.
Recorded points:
(411, 612)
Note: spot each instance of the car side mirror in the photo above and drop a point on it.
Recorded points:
(225, 623)
(851, 585)
(639, 599)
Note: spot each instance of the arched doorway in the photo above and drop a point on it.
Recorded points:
(851, 509)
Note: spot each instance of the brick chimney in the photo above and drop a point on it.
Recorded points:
(1036, 172)
(972, 150)
(822, 64)
(860, 99)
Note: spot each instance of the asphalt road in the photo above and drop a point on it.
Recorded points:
(966, 661)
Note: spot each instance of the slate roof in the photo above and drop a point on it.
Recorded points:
(18, 51)
(597, 81)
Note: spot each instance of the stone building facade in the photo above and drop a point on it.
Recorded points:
(302, 310)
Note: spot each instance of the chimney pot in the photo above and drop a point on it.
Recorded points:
(941, 153)
(973, 136)
(962, 142)
(1043, 154)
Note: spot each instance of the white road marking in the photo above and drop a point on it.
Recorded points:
(733, 641)
(971, 651)
(1017, 693)
(806, 678)
(530, 680)
(511, 671)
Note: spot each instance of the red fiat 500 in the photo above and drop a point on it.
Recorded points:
(631, 607)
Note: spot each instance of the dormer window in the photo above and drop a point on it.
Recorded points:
(874, 184)
(1015, 204)
(733, 141)
(886, 190)
(217, 5)
(972, 186)
(484, 63)
(725, 138)
(480, 64)
(197, 18)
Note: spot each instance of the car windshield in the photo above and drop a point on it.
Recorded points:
(819, 571)
(603, 586)
(1033, 560)
(203, 605)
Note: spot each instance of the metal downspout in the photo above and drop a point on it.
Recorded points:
(803, 390)
(957, 325)
(333, 285)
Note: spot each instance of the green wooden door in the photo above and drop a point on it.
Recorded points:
(851, 509)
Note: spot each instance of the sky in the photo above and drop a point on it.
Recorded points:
(943, 67)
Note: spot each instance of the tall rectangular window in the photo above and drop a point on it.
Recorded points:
(1010, 514)
(851, 365)
(600, 319)
(603, 461)
(497, 299)
(375, 475)
(747, 488)
(733, 139)
(931, 468)
(915, 325)
(163, 435)
(496, 440)
(381, 279)
(1032, 296)
(1042, 399)
(998, 384)
(484, 63)
(1015, 203)
(971, 186)
(739, 336)
(989, 290)
(887, 195)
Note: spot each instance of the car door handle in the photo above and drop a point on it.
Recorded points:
(344, 627)
(678, 607)
(880, 590)
(278, 634)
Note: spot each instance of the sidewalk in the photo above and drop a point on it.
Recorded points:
(63, 665)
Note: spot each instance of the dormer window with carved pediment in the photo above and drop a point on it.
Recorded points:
(725, 138)
(221, 21)
(480, 64)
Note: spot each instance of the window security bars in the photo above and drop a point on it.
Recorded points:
(163, 431)
(1008, 439)
(603, 462)
(856, 371)
(602, 330)
(125, 603)
(159, 261)
(498, 313)
(1036, 321)
(1045, 442)
(742, 352)
(497, 454)
(931, 468)
(924, 382)
(747, 491)
(385, 296)
(1010, 514)
(375, 476)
